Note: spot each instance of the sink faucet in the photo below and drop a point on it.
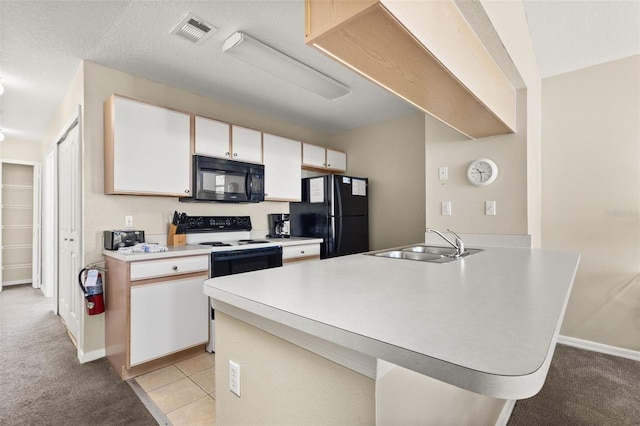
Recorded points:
(458, 245)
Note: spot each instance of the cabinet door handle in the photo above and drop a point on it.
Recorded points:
(186, 191)
(301, 251)
(235, 154)
(174, 267)
(226, 153)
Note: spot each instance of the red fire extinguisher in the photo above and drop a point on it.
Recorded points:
(91, 284)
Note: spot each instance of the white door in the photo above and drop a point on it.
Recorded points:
(69, 294)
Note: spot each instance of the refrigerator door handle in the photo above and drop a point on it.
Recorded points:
(337, 226)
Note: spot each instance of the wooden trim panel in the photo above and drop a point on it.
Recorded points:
(372, 42)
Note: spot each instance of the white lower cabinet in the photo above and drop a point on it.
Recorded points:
(167, 317)
(156, 312)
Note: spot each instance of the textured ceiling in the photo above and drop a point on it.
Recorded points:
(42, 43)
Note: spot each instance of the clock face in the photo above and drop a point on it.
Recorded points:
(482, 172)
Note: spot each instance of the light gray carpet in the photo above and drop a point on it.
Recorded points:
(41, 379)
(584, 388)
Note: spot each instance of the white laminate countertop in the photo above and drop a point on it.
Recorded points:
(173, 251)
(487, 323)
(177, 251)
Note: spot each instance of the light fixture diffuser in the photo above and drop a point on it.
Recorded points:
(277, 63)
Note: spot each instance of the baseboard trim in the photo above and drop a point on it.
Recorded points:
(599, 347)
(84, 357)
(505, 414)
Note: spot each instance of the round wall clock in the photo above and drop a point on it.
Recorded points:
(482, 172)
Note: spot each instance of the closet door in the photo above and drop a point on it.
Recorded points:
(69, 263)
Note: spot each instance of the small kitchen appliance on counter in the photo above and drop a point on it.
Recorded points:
(232, 250)
(279, 225)
(113, 240)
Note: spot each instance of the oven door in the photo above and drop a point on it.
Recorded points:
(239, 261)
(236, 262)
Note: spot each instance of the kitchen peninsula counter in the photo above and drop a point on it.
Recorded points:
(486, 323)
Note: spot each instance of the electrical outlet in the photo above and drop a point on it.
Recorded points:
(490, 208)
(128, 221)
(234, 377)
(443, 173)
(446, 208)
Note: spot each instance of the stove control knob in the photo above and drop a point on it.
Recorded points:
(228, 222)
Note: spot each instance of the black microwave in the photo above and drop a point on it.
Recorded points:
(217, 179)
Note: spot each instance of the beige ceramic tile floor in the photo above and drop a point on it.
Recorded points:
(185, 391)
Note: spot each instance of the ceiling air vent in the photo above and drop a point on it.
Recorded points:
(193, 29)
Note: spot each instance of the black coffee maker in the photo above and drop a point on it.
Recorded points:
(279, 225)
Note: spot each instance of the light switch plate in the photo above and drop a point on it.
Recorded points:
(446, 208)
(443, 173)
(490, 208)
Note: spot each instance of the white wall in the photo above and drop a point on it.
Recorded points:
(591, 195)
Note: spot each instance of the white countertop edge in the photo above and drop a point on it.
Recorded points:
(173, 251)
(504, 387)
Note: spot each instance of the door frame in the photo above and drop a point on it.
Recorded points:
(37, 214)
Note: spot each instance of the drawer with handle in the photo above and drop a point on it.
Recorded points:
(292, 253)
(168, 267)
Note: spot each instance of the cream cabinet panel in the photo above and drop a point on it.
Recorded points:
(167, 317)
(300, 252)
(314, 156)
(212, 138)
(282, 168)
(168, 267)
(246, 144)
(320, 158)
(336, 160)
(147, 149)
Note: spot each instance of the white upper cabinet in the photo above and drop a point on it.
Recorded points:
(314, 156)
(336, 160)
(212, 138)
(318, 157)
(219, 139)
(246, 144)
(147, 149)
(282, 168)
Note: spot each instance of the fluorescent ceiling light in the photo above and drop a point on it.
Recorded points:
(262, 56)
(1, 135)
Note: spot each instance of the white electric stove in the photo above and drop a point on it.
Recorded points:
(232, 250)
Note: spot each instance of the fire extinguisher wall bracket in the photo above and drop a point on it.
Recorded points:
(90, 281)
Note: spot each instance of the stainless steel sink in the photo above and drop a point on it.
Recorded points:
(424, 253)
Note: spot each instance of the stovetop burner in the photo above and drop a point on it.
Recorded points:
(215, 244)
(252, 242)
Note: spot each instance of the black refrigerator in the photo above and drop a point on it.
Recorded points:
(336, 209)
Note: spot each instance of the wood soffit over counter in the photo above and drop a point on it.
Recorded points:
(366, 37)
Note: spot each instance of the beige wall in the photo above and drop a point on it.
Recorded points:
(446, 147)
(391, 154)
(283, 384)
(591, 195)
(11, 149)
